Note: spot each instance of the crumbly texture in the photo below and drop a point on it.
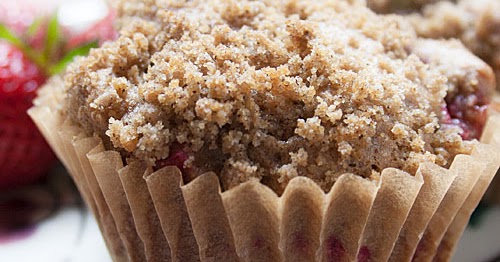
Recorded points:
(474, 22)
(265, 89)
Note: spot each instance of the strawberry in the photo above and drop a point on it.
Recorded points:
(24, 155)
(26, 62)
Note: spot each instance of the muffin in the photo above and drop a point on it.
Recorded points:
(274, 130)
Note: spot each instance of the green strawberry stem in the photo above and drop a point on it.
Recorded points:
(50, 59)
(68, 58)
(10, 37)
(53, 36)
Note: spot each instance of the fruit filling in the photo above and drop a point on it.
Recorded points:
(470, 84)
(467, 112)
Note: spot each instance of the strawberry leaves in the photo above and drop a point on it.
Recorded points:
(53, 57)
(14, 40)
(53, 36)
(68, 58)
(9, 36)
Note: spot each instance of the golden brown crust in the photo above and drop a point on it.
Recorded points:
(266, 90)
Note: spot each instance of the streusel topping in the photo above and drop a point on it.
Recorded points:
(265, 89)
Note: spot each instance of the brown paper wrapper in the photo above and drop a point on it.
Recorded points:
(46, 118)
(301, 220)
(493, 194)
(103, 214)
(141, 205)
(395, 197)
(437, 181)
(451, 203)
(490, 159)
(152, 216)
(347, 209)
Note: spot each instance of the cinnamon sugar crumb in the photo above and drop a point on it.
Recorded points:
(265, 89)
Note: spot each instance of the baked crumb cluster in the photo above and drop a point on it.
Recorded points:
(476, 23)
(265, 89)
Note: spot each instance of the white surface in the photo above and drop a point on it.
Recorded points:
(70, 235)
(92, 247)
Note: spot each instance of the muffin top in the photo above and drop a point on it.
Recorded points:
(265, 89)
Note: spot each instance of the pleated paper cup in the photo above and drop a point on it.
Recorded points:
(493, 194)
(153, 216)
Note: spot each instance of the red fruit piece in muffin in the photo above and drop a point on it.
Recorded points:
(470, 82)
(178, 157)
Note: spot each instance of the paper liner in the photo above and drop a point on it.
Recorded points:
(252, 209)
(466, 168)
(103, 214)
(392, 204)
(170, 205)
(46, 118)
(301, 220)
(105, 165)
(437, 180)
(210, 224)
(490, 157)
(146, 222)
(347, 209)
(357, 220)
(493, 194)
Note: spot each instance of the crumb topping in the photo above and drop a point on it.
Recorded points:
(265, 89)
(474, 22)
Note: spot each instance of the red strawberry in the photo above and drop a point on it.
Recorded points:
(24, 154)
(25, 64)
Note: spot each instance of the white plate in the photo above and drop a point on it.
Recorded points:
(69, 235)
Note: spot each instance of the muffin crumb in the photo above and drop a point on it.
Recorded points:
(266, 90)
